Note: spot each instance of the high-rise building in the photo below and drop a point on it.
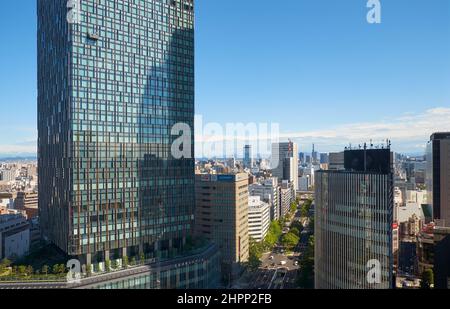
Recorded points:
(285, 162)
(314, 155)
(336, 161)
(258, 218)
(248, 157)
(438, 176)
(222, 218)
(354, 223)
(114, 77)
(324, 158)
(301, 158)
(287, 195)
(268, 191)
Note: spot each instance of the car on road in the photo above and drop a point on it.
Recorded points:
(282, 263)
(271, 257)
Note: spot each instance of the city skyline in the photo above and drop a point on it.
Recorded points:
(192, 144)
(385, 87)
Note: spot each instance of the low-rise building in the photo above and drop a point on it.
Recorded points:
(14, 235)
(27, 201)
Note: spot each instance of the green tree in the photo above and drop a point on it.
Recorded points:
(59, 269)
(273, 235)
(22, 270)
(44, 270)
(255, 254)
(305, 278)
(295, 231)
(89, 269)
(30, 270)
(142, 257)
(305, 210)
(4, 265)
(427, 279)
(107, 265)
(293, 207)
(55, 269)
(125, 261)
(290, 240)
(114, 264)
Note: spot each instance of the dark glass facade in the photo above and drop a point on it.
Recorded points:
(353, 228)
(438, 176)
(110, 89)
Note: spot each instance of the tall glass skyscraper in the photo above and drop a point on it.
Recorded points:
(112, 82)
(438, 176)
(354, 222)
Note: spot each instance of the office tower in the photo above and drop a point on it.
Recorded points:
(258, 218)
(285, 162)
(111, 86)
(301, 158)
(324, 158)
(304, 183)
(354, 223)
(268, 191)
(336, 161)
(308, 159)
(222, 217)
(248, 157)
(438, 176)
(441, 255)
(314, 155)
(287, 197)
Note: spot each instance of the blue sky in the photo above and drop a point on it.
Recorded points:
(316, 67)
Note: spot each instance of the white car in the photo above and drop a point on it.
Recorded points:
(282, 263)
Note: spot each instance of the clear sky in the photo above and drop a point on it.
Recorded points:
(316, 67)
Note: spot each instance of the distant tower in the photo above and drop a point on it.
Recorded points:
(313, 155)
(248, 157)
(285, 162)
(438, 176)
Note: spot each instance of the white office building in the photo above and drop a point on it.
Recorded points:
(268, 191)
(258, 218)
